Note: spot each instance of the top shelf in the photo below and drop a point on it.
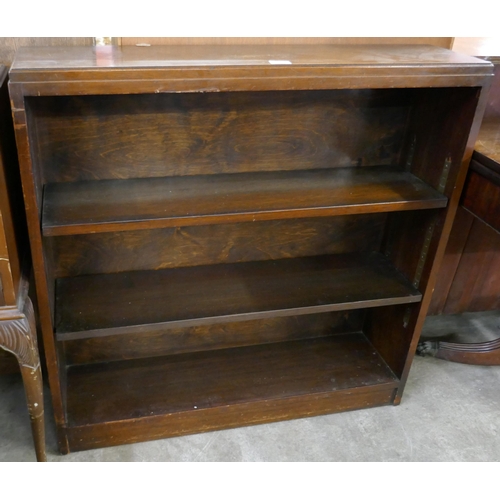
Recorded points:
(147, 203)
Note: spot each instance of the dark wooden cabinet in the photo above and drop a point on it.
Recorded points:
(225, 236)
(17, 319)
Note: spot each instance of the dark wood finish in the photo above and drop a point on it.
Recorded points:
(18, 336)
(451, 260)
(476, 283)
(17, 319)
(482, 196)
(171, 134)
(8, 363)
(480, 353)
(90, 207)
(390, 331)
(237, 135)
(419, 243)
(471, 281)
(171, 340)
(88, 306)
(222, 378)
(244, 385)
(214, 244)
(60, 71)
(237, 415)
(12, 221)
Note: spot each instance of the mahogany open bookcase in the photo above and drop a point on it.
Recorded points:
(231, 235)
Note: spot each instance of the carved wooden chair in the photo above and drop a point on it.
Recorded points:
(17, 319)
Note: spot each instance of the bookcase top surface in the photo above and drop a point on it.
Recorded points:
(240, 55)
(411, 65)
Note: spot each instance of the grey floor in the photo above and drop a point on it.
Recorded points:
(449, 412)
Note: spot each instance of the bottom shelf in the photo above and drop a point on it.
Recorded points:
(129, 401)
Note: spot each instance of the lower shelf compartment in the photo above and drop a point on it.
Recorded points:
(130, 401)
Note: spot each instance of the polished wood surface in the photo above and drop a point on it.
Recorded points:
(93, 305)
(18, 336)
(236, 386)
(103, 206)
(470, 280)
(434, 60)
(275, 371)
(381, 136)
(154, 342)
(476, 283)
(445, 42)
(214, 133)
(480, 353)
(61, 70)
(12, 222)
(9, 45)
(143, 250)
(17, 319)
(482, 195)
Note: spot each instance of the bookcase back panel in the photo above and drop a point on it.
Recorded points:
(157, 342)
(213, 244)
(120, 137)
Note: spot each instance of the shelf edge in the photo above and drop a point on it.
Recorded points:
(152, 327)
(200, 220)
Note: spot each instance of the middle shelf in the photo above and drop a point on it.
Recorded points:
(108, 304)
(128, 204)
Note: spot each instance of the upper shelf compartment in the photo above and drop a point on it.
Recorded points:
(116, 205)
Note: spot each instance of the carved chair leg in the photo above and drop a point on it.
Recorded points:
(18, 336)
(32, 379)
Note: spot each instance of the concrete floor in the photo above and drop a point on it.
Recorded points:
(449, 412)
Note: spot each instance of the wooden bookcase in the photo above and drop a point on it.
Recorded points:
(231, 235)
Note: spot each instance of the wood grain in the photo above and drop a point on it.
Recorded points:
(451, 260)
(476, 285)
(216, 244)
(103, 206)
(436, 134)
(482, 193)
(13, 232)
(120, 391)
(88, 306)
(210, 337)
(121, 137)
(139, 70)
(257, 412)
(75, 119)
